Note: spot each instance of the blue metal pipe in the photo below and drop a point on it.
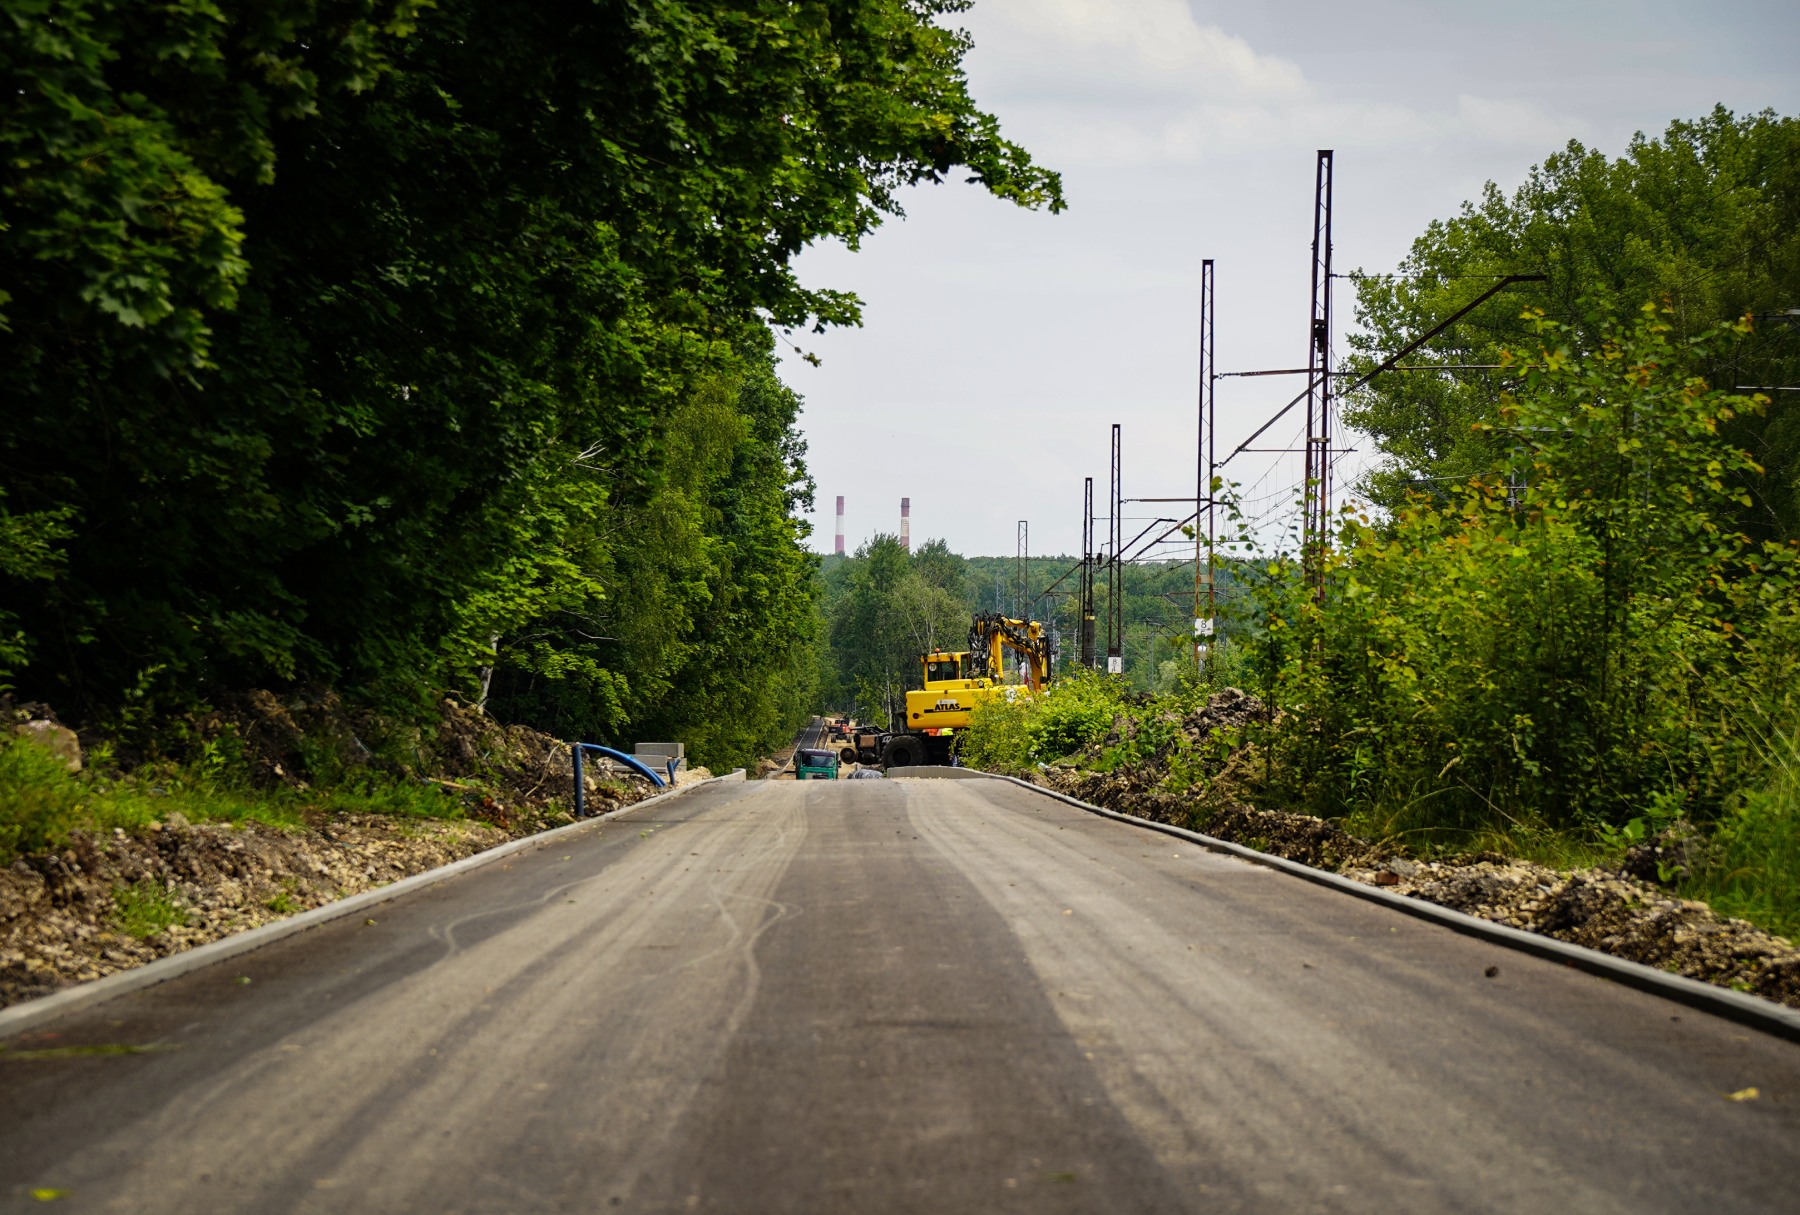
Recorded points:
(629, 761)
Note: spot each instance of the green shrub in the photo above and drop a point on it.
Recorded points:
(1750, 865)
(1753, 871)
(1072, 714)
(40, 799)
(1563, 646)
(996, 739)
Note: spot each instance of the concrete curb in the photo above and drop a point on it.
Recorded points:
(32, 1013)
(1749, 1010)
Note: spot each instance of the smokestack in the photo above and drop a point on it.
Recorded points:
(906, 524)
(840, 529)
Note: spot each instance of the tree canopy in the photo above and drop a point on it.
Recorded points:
(1705, 218)
(347, 338)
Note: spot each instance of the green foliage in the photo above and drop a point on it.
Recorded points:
(145, 908)
(1748, 865)
(378, 344)
(1076, 712)
(29, 552)
(1706, 218)
(40, 799)
(1566, 644)
(42, 802)
(1752, 868)
(1570, 634)
(688, 615)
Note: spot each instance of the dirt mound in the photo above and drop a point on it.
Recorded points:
(1298, 837)
(1231, 709)
(100, 905)
(1608, 911)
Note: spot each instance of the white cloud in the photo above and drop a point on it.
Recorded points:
(1126, 46)
(1116, 83)
(1067, 134)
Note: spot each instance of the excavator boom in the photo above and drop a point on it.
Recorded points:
(991, 635)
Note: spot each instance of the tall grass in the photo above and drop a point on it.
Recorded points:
(1752, 867)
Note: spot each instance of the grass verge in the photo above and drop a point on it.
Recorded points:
(42, 803)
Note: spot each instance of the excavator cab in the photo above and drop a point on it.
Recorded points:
(943, 669)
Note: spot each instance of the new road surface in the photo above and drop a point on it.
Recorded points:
(891, 996)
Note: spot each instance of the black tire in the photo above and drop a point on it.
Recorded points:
(903, 752)
(847, 755)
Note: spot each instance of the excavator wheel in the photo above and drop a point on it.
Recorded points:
(902, 752)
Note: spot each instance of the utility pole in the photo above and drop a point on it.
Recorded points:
(1205, 451)
(1115, 590)
(1021, 572)
(1085, 605)
(1316, 528)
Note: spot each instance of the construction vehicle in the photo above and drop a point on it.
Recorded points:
(815, 765)
(955, 682)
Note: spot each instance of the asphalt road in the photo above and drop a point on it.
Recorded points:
(892, 996)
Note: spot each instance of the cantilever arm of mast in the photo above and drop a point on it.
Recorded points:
(1388, 363)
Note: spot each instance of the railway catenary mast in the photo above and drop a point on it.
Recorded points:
(1086, 593)
(1206, 454)
(1021, 572)
(1316, 526)
(1115, 588)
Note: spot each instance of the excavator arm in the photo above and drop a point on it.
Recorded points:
(991, 635)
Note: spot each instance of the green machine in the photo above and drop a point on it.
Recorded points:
(815, 765)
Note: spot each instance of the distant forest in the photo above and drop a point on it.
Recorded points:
(883, 607)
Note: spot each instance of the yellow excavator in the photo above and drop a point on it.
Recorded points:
(955, 682)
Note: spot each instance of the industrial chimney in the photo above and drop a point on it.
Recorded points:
(906, 524)
(840, 530)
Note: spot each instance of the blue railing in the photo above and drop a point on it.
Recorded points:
(630, 761)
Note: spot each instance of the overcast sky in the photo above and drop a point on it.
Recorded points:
(999, 345)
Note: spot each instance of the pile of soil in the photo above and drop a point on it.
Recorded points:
(1605, 910)
(66, 915)
(1623, 912)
